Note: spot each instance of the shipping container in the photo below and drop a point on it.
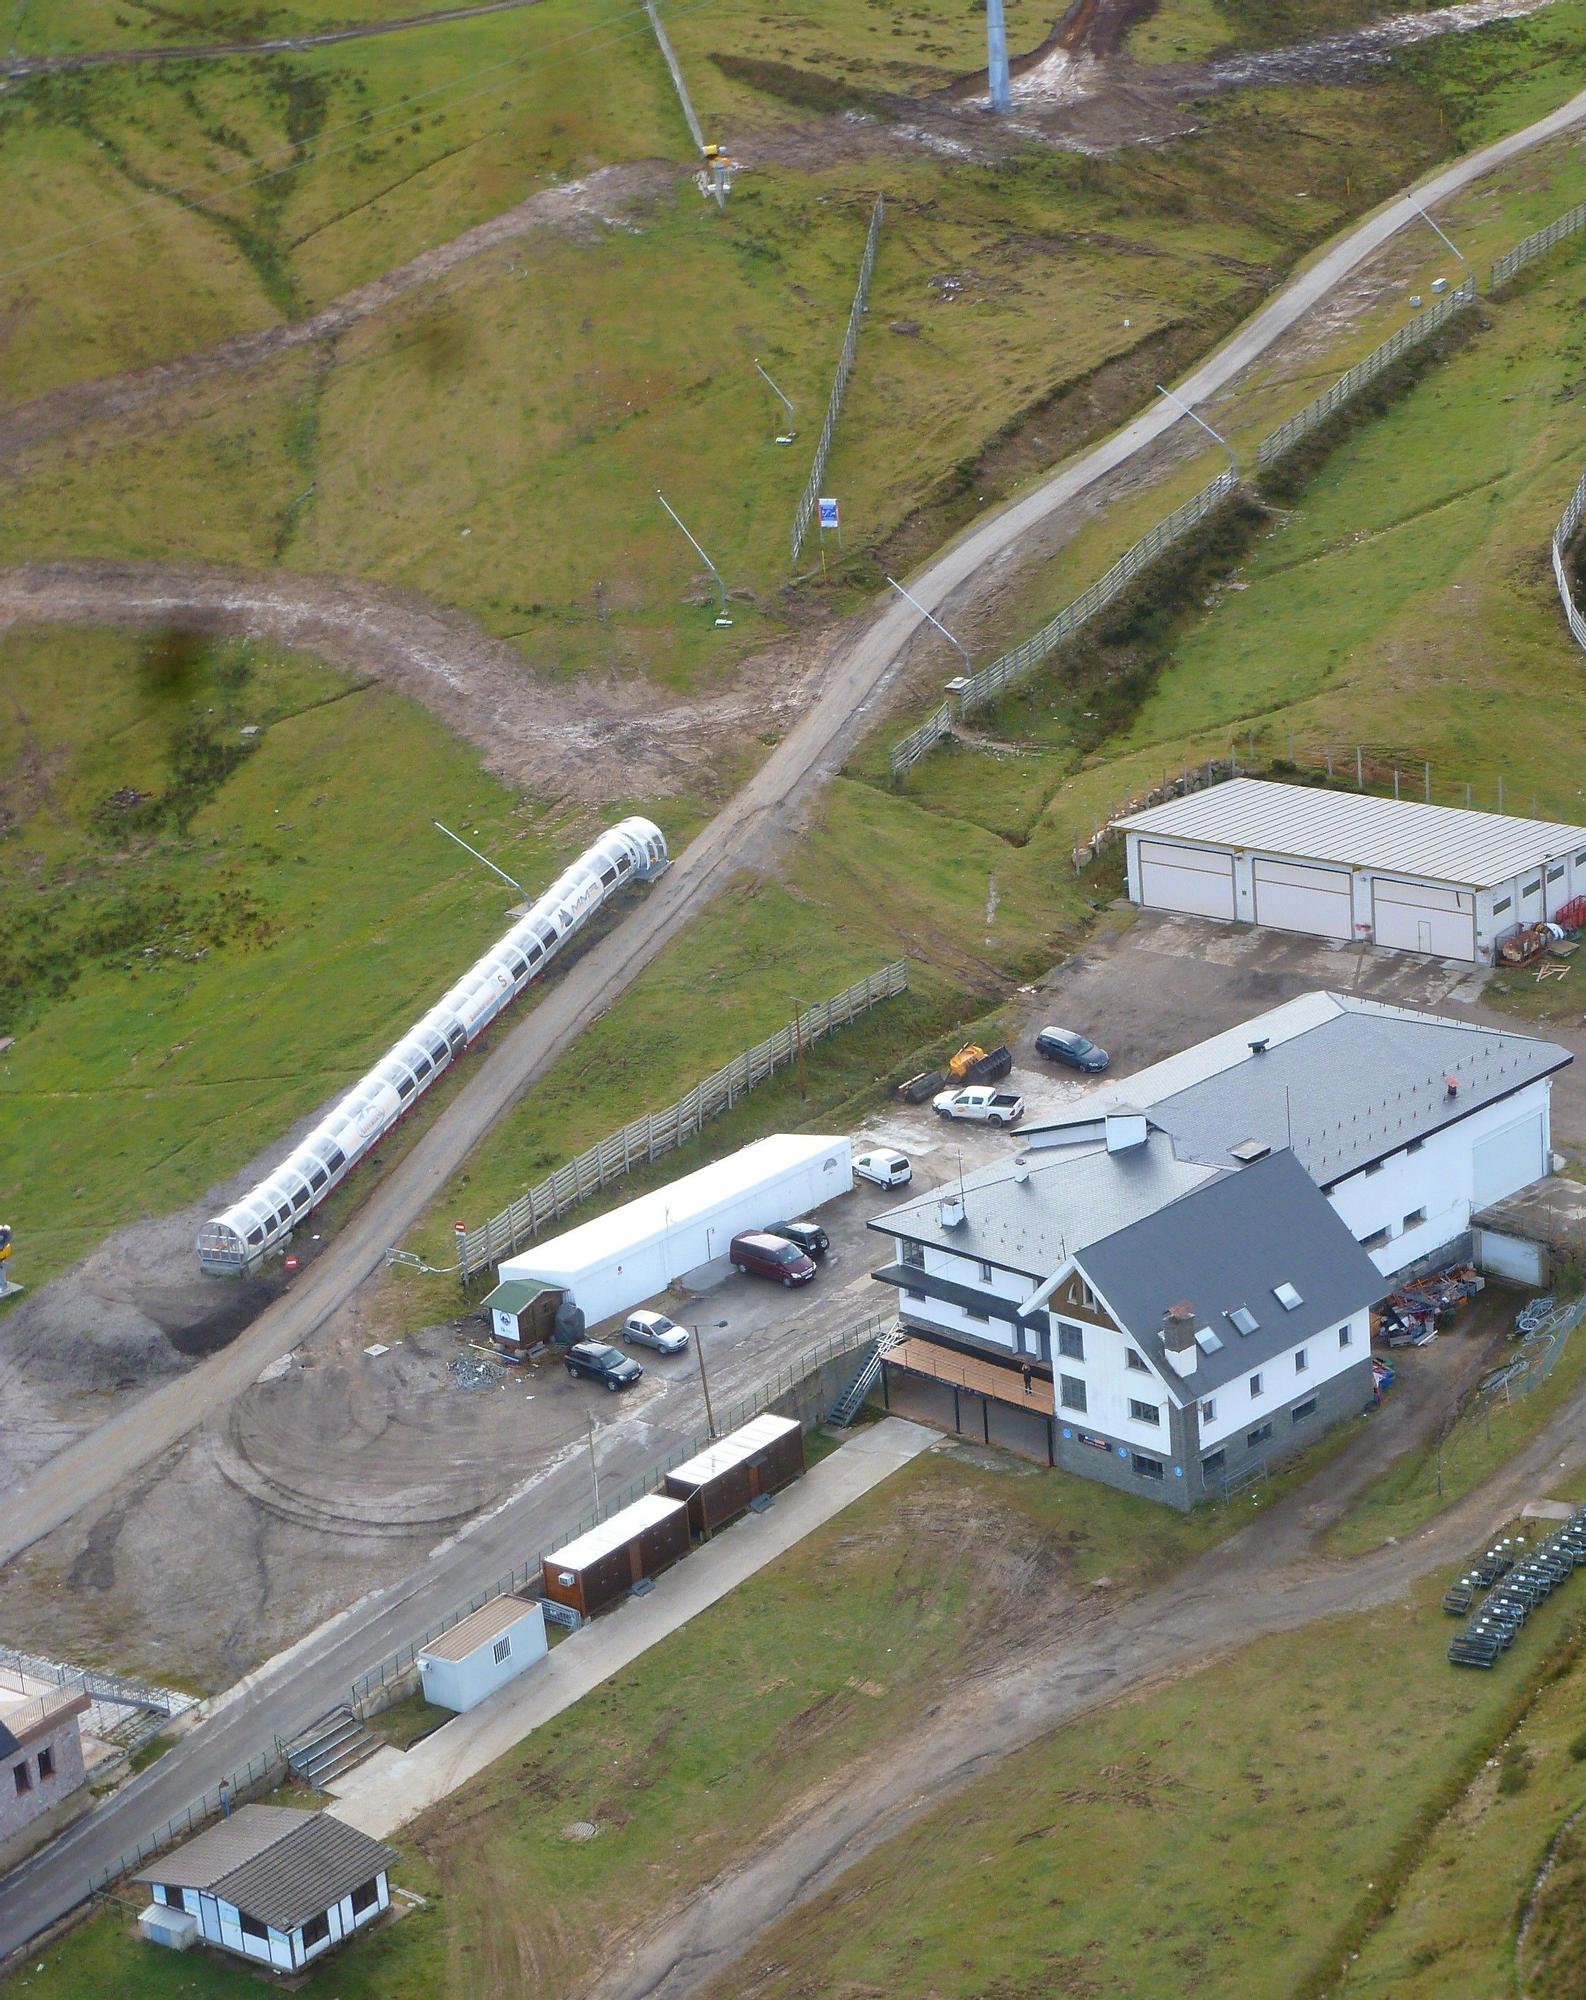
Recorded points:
(720, 1483)
(623, 1259)
(598, 1568)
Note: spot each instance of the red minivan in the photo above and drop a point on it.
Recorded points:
(766, 1256)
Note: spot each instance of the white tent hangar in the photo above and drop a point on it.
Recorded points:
(1346, 865)
(619, 1260)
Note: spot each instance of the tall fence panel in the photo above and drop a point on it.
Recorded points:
(1563, 535)
(1288, 434)
(804, 513)
(920, 742)
(1504, 267)
(661, 1132)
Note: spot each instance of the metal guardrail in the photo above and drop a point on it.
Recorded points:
(804, 513)
(1563, 535)
(1504, 267)
(662, 1132)
(1276, 444)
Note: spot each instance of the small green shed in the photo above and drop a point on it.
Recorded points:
(522, 1314)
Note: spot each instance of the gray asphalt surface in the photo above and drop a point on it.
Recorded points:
(746, 832)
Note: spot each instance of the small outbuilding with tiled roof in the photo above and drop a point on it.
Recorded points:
(272, 1884)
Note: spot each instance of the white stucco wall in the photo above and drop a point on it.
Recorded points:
(1437, 1177)
(1238, 1412)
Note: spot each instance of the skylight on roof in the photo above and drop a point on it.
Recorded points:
(1244, 1320)
(1207, 1341)
(1287, 1296)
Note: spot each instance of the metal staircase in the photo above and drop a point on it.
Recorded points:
(851, 1401)
(330, 1747)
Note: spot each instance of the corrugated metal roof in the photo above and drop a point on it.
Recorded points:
(1473, 850)
(479, 1628)
(615, 1533)
(732, 1450)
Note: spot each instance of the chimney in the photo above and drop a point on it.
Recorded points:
(1451, 1085)
(1178, 1338)
(1021, 1170)
(951, 1212)
(1260, 1047)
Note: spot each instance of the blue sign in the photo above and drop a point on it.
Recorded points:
(826, 513)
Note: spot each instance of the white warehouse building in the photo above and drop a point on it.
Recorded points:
(619, 1260)
(1346, 865)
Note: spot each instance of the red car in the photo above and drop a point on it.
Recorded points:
(766, 1256)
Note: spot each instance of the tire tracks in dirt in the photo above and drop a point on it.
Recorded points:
(607, 196)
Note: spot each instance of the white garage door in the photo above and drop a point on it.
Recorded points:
(1507, 1160)
(1413, 916)
(1293, 896)
(1196, 880)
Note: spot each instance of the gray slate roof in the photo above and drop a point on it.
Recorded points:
(1229, 1244)
(1070, 1199)
(280, 1865)
(1352, 1089)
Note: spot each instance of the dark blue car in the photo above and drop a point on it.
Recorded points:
(1064, 1046)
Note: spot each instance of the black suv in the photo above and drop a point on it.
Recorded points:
(809, 1236)
(603, 1364)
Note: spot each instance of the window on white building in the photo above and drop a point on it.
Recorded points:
(1258, 1436)
(315, 1931)
(1135, 1361)
(1302, 1361)
(1415, 1145)
(1303, 1410)
(1070, 1343)
(914, 1295)
(985, 1273)
(366, 1897)
(1144, 1413)
(1415, 1218)
(1071, 1392)
(1212, 1464)
(913, 1254)
(1087, 1297)
(1375, 1240)
(1209, 1411)
(251, 1927)
(1500, 906)
(974, 1312)
(1255, 1387)
(502, 1650)
(1147, 1468)
(1346, 1336)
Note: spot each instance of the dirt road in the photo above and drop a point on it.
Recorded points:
(1265, 1579)
(745, 833)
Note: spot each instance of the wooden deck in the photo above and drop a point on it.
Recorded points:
(964, 1371)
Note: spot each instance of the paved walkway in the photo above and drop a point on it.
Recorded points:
(395, 1786)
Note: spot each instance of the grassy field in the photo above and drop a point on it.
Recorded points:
(1314, 1766)
(1227, 1834)
(724, 1726)
(206, 944)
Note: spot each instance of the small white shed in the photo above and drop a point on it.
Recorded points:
(619, 1260)
(484, 1652)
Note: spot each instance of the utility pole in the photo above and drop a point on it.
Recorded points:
(699, 1356)
(969, 665)
(1179, 403)
(997, 57)
(787, 436)
(594, 1464)
(721, 588)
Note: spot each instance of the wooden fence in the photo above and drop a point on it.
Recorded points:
(661, 1132)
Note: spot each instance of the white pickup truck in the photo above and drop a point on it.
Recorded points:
(981, 1103)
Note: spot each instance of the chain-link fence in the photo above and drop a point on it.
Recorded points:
(1277, 444)
(662, 1132)
(805, 511)
(1504, 267)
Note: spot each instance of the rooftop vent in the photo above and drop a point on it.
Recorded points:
(1451, 1084)
(1021, 1171)
(1287, 1296)
(1124, 1130)
(951, 1211)
(1243, 1320)
(1248, 1151)
(1260, 1046)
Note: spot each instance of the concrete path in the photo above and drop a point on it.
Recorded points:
(393, 1787)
